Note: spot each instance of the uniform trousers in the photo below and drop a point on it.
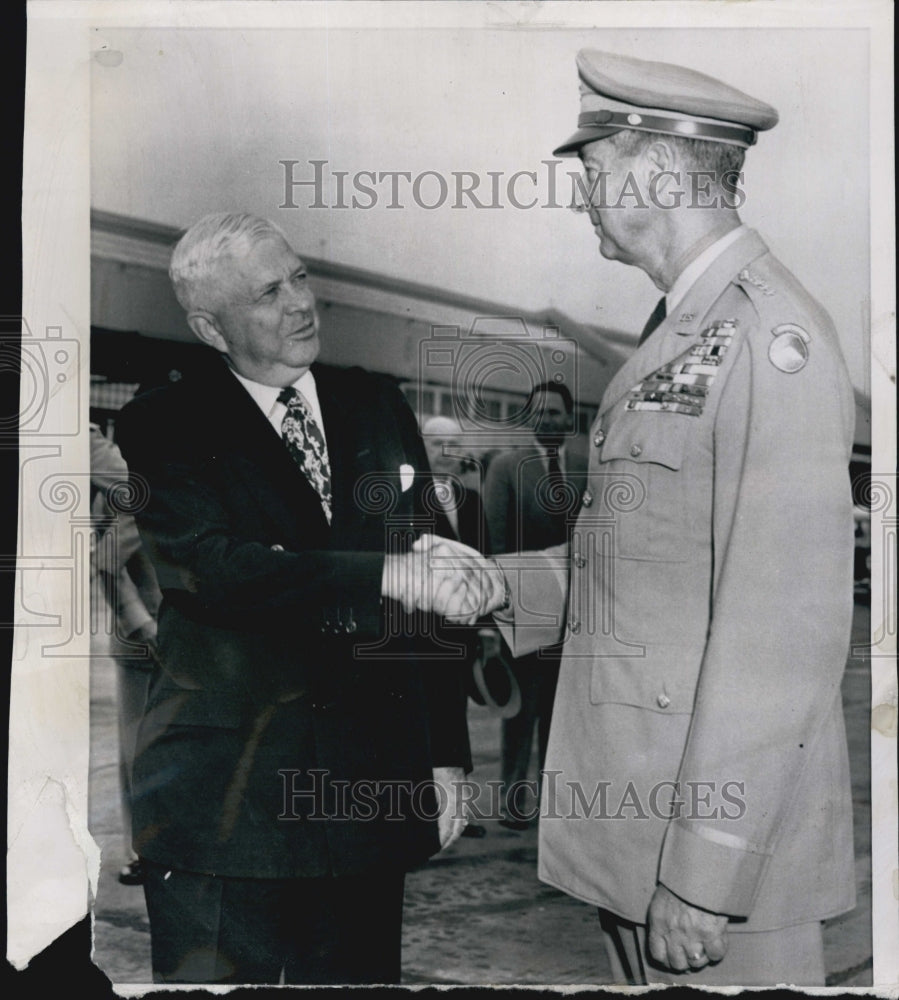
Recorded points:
(214, 929)
(537, 675)
(791, 955)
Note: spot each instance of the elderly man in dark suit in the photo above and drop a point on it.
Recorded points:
(305, 733)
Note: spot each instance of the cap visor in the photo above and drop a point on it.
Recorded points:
(581, 138)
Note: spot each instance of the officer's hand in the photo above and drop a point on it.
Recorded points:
(452, 819)
(683, 937)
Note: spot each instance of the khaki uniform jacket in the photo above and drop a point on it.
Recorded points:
(706, 601)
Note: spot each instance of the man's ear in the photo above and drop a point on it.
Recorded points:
(660, 155)
(205, 329)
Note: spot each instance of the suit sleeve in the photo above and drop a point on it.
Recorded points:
(781, 614)
(204, 557)
(538, 582)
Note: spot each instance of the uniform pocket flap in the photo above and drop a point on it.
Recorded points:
(635, 682)
(659, 438)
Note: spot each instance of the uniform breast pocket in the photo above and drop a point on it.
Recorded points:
(640, 487)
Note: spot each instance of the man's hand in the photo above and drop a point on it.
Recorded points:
(452, 820)
(445, 577)
(421, 583)
(681, 936)
(484, 588)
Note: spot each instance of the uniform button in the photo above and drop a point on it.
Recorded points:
(575, 627)
(663, 700)
(587, 498)
(277, 548)
(598, 438)
(636, 450)
(580, 561)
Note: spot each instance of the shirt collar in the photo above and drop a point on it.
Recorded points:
(692, 272)
(266, 396)
(544, 451)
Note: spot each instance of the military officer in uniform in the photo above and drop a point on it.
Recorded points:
(697, 788)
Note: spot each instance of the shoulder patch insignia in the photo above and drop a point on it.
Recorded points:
(788, 352)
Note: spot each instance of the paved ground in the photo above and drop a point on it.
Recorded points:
(476, 914)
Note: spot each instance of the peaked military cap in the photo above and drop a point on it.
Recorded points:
(620, 92)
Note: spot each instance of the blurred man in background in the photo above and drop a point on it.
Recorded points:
(530, 494)
(129, 588)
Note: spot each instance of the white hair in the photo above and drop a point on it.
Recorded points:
(440, 425)
(206, 242)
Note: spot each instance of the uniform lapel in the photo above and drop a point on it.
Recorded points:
(676, 333)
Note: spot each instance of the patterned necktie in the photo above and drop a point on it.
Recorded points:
(658, 315)
(306, 443)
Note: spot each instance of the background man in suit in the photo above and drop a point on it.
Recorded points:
(303, 732)
(444, 445)
(697, 785)
(445, 448)
(529, 496)
(129, 587)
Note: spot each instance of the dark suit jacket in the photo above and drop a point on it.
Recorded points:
(470, 517)
(282, 679)
(518, 504)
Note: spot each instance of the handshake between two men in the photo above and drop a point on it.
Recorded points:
(447, 578)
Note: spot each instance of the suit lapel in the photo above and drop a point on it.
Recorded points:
(676, 333)
(533, 470)
(238, 427)
(341, 441)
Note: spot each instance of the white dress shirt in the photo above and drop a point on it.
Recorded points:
(544, 454)
(266, 398)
